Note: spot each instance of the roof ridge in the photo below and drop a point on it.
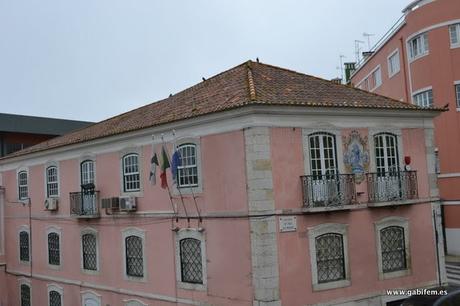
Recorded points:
(252, 88)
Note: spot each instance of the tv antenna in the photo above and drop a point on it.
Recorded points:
(368, 36)
(341, 57)
(358, 48)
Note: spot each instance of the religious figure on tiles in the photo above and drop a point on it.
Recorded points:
(356, 155)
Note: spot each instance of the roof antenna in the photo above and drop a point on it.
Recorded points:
(203, 78)
(257, 59)
(170, 95)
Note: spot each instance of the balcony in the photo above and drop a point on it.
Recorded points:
(84, 204)
(328, 191)
(392, 187)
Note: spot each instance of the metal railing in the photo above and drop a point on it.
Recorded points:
(392, 186)
(83, 204)
(331, 190)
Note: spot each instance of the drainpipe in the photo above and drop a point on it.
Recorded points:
(403, 53)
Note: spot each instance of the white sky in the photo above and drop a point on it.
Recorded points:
(93, 59)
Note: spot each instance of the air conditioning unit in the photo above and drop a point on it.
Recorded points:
(128, 204)
(51, 204)
(111, 203)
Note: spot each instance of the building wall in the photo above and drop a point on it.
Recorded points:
(439, 69)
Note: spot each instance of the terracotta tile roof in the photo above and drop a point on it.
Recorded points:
(249, 83)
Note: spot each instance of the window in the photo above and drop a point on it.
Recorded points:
(90, 298)
(376, 78)
(52, 184)
(328, 254)
(190, 259)
(437, 164)
(134, 256)
(418, 46)
(25, 295)
(89, 251)
(457, 94)
(54, 253)
(87, 172)
(393, 63)
(23, 190)
(131, 174)
(54, 298)
(323, 159)
(386, 153)
(24, 246)
(454, 31)
(424, 98)
(392, 247)
(188, 170)
(134, 303)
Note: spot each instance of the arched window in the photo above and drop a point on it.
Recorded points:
(190, 261)
(89, 251)
(24, 254)
(187, 174)
(25, 295)
(323, 159)
(330, 260)
(55, 298)
(386, 153)
(54, 252)
(23, 189)
(87, 172)
(131, 173)
(393, 249)
(134, 256)
(52, 181)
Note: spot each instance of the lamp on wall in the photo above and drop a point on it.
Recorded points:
(407, 163)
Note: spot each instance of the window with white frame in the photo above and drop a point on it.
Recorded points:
(376, 78)
(323, 159)
(23, 189)
(131, 173)
(55, 298)
(329, 257)
(134, 256)
(187, 172)
(393, 63)
(424, 98)
(52, 181)
(89, 251)
(87, 172)
(190, 259)
(457, 94)
(25, 295)
(393, 247)
(418, 46)
(454, 31)
(24, 246)
(386, 153)
(54, 249)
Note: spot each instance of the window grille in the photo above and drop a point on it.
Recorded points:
(24, 246)
(393, 249)
(25, 295)
(323, 159)
(191, 261)
(87, 172)
(188, 170)
(134, 256)
(23, 190)
(89, 249)
(52, 185)
(330, 259)
(131, 174)
(53, 249)
(55, 298)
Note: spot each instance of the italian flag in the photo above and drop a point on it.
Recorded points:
(164, 165)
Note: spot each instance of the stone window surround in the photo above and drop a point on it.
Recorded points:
(134, 302)
(199, 235)
(89, 230)
(132, 231)
(190, 190)
(57, 288)
(25, 281)
(122, 154)
(394, 131)
(26, 170)
(47, 165)
(381, 224)
(88, 294)
(24, 228)
(319, 230)
(54, 229)
(83, 158)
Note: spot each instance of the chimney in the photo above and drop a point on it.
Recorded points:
(336, 80)
(349, 69)
(367, 54)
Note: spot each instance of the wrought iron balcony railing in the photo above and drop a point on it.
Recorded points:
(392, 186)
(84, 204)
(331, 190)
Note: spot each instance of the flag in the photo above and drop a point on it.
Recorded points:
(164, 165)
(175, 163)
(153, 169)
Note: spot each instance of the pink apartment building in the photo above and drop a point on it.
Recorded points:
(418, 62)
(290, 190)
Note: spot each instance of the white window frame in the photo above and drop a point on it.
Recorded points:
(373, 132)
(457, 96)
(126, 174)
(313, 233)
(88, 174)
(457, 29)
(23, 228)
(394, 54)
(141, 234)
(89, 230)
(306, 133)
(25, 281)
(57, 288)
(26, 186)
(424, 90)
(421, 37)
(381, 224)
(90, 295)
(134, 302)
(192, 189)
(57, 230)
(197, 234)
(376, 74)
(140, 160)
(49, 165)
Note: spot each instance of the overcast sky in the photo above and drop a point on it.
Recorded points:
(93, 59)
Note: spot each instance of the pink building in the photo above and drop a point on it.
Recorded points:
(419, 62)
(291, 190)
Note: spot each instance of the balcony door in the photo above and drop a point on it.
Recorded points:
(323, 165)
(388, 184)
(88, 198)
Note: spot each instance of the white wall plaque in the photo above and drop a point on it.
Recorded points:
(288, 224)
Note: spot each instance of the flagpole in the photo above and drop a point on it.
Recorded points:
(169, 192)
